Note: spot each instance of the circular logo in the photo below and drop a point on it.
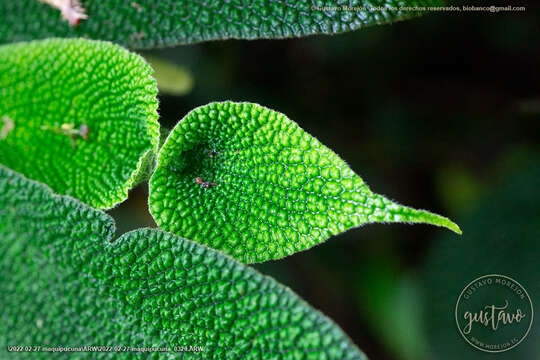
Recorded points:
(494, 313)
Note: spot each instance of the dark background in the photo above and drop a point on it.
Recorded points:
(441, 113)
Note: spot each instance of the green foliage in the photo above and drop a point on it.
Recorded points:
(150, 23)
(171, 78)
(63, 282)
(501, 237)
(249, 181)
(391, 306)
(79, 115)
(458, 188)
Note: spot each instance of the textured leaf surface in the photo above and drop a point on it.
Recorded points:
(150, 23)
(247, 180)
(64, 283)
(51, 90)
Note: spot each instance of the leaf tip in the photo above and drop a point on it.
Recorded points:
(439, 220)
(449, 224)
(415, 216)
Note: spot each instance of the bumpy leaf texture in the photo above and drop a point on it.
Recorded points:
(78, 115)
(150, 23)
(247, 180)
(64, 283)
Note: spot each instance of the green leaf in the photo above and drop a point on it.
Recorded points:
(171, 78)
(78, 115)
(64, 283)
(249, 181)
(150, 23)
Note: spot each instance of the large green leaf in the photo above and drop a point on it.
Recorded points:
(247, 180)
(64, 283)
(150, 23)
(79, 115)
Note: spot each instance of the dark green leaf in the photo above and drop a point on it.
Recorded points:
(150, 23)
(63, 283)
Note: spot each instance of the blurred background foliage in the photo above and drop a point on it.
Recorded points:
(440, 112)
